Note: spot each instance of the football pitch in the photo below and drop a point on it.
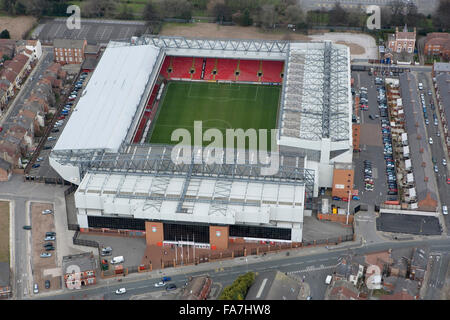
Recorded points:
(218, 105)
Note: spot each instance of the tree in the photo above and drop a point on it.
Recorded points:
(338, 15)
(397, 13)
(246, 19)
(8, 6)
(442, 15)
(5, 34)
(99, 8)
(294, 15)
(151, 14)
(175, 9)
(221, 11)
(268, 17)
(36, 8)
(19, 8)
(125, 12)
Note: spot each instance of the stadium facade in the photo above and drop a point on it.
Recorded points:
(127, 184)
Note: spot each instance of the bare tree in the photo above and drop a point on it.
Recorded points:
(338, 15)
(397, 13)
(442, 15)
(267, 16)
(99, 8)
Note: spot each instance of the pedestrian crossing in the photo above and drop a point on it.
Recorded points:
(312, 268)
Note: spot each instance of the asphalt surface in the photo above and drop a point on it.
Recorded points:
(94, 31)
(299, 262)
(438, 263)
(437, 148)
(411, 224)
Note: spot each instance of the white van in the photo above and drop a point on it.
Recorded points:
(444, 210)
(328, 279)
(116, 260)
(420, 86)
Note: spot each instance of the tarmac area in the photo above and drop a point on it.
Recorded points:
(410, 224)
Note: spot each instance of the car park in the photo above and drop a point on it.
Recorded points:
(47, 211)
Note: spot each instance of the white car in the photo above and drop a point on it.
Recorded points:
(53, 138)
(160, 284)
(48, 211)
(444, 210)
(45, 255)
(121, 291)
(430, 141)
(35, 288)
(444, 162)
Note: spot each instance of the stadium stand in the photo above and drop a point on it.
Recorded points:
(146, 116)
(181, 67)
(198, 63)
(210, 66)
(165, 66)
(272, 71)
(248, 70)
(226, 69)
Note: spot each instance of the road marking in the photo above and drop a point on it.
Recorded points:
(311, 269)
(263, 284)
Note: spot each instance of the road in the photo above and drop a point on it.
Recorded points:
(437, 148)
(438, 269)
(225, 272)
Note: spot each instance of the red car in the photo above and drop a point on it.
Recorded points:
(448, 180)
(1, 128)
(61, 117)
(345, 199)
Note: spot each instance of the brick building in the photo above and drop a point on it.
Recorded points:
(343, 177)
(402, 40)
(437, 44)
(67, 51)
(79, 270)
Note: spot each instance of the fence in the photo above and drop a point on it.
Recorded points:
(83, 242)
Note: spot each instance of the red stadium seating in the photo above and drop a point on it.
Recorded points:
(210, 65)
(146, 116)
(248, 70)
(165, 66)
(226, 69)
(181, 67)
(272, 71)
(198, 63)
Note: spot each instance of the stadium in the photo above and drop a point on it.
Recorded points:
(117, 145)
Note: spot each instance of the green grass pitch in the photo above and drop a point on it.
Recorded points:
(217, 105)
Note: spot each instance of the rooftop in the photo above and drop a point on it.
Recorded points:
(85, 262)
(110, 100)
(441, 67)
(68, 43)
(274, 285)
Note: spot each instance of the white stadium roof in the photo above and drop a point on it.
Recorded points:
(110, 100)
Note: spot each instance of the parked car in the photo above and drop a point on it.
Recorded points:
(337, 198)
(49, 238)
(35, 288)
(47, 284)
(106, 251)
(430, 141)
(47, 211)
(166, 279)
(47, 147)
(26, 227)
(54, 130)
(444, 210)
(444, 162)
(45, 255)
(51, 138)
(49, 248)
(40, 159)
(436, 168)
(50, 234)
(36, 165)
(356, 198)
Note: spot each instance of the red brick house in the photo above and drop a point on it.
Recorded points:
(437, 43)
(67, 51)
(402, 40)
(79, 270)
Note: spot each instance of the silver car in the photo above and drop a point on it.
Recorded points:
(45, 255)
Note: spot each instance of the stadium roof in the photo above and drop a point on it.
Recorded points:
(102, 116)
(207, 201)
(316, 99)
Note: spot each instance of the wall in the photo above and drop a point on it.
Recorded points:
(218, 237)
(336, 217)
(154, 233)
(342, 177)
